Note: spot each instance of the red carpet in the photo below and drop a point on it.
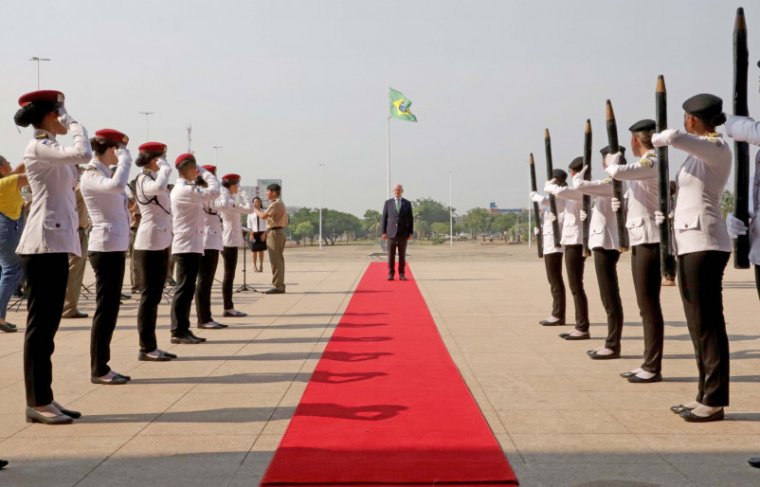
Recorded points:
(386, 404)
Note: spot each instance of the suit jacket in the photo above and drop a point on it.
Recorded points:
(398, 224)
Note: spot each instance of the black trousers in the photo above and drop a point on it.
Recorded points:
(46, 277)
(647, 281)
(209, 262)
(575, 265)
(230, 255)
(154, 265)
(605, 263)
(399, 244)
(757, 279)
(553, 263)
(187, 266)
(700, 279)
(109, 277)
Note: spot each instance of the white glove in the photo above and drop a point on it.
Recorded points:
(122, 153)
(64, 118)
(615, 205)
(550, 187)
(663, 138)
(162, 162)
(551, 217)
(735, 226)
(243, 195)
(536, 231)
(536, 197)
(584, 216)
(613, 159)
(659, 217)
(582, 172)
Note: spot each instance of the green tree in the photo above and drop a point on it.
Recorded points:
(371, 224)
(440, 228)
(426, 212)
(302, 230)
(337, 224)
(477, 220)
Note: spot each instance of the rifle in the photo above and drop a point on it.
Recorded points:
(617, 186)
(552, 199)
(741, 149)
(667, 261)
(587, 177)
(536, 214)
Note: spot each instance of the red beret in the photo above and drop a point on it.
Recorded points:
(51, 96)
(183, 158)
(156, 147)
(231, 177)
(210, 168)
(112, 135)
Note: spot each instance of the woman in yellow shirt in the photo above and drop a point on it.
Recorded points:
(11, 225)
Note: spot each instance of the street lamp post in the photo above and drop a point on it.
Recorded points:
(216, 154)
(147, 133)
(451, 217)
(321, 201)
(37, 60)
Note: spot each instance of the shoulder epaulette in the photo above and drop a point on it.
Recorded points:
(646, 161)
(606, 181)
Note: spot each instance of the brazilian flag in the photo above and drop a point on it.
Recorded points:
(400, 106)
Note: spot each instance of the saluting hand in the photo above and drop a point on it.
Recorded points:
(615, 205)
(64, 118)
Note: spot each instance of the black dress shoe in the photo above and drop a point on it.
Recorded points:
(598, 356)
(679, 408)
(34, 416)
(127, 377)
(169, 354)
(390, 277)
(8, 327)
(68, 412)
(635, 379)
(690, 417)
(201, 339)
(754, 461)
(628, 375)
(186, 339)
(570, 337)
(117, 380)
(3, 464)
(161, 357)
(402, 277)
(552, 323)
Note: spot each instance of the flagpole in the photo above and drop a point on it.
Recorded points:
(451, 217)
(388, 165)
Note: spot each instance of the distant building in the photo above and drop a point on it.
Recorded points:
(495, 210)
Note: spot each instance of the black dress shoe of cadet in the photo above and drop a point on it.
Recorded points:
(690, 417)
(599, 356)
(635, 379)
(117, 380)
(200, 339)
(3, 464)
(8, 327)
(571, 337)
(67, 412)
(552, 323)
(754, 461)
(186, 339)
(34, 416)
(128, 377)
(628, 375)
(160, 357)
(679, 408)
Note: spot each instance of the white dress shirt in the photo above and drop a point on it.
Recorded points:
(232, 227)
(256, 224)
(106, 203)
(547, 228)
(155, 229)
(603, 225)
(697, 221)
(52, 225)
(187, 212)
(572, 226)
(643, 197)
(745, 129)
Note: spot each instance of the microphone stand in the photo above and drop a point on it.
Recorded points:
(245, 287)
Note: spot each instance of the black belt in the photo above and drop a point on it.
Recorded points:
(275, 228)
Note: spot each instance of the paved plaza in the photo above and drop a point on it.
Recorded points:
(215, 416)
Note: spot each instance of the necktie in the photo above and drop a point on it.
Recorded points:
(398, 206)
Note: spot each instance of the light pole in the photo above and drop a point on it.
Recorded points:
(147, 133)
(37, 60)
(216, 154)
(451, 217)
(321, 200)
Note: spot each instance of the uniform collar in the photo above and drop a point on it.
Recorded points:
(100, 166)
(43, 134)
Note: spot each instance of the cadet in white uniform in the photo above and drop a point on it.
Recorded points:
(152, 242)
(106, 201)
(745, 129)
(187, 200)
(553, 255)
(232, 235)
(212, 245)
(604, 243)
(703, 247)
(643, 199)
(49, 236)
(572, 241)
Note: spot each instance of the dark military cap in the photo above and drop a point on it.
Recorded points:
(704, 106)
(646, 125)
(576, 164)
(606, 150)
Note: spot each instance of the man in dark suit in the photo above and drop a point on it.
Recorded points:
(398, 227)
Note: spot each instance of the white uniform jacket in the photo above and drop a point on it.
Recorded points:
(572, 226)
(232, 227)
(106, 203)
(187, 212)
(155, 229)
(745, 129)
(212, 222)
(52, 225)
(547, 229)
(603, 225)
(697, 221)
(643, 197)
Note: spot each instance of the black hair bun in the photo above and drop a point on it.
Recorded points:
(23, 116)
(33, 113)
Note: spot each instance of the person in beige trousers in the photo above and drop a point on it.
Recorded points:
(276, 216)
(77, 264)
